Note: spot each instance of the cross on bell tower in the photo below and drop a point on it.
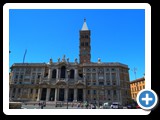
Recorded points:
(84, 44)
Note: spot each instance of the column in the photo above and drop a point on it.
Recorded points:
(75, 94)
(76, 74)
(57, 75)
(48, 94)
(120, 97)
(34, 92)
(66, 94)
(97, 99)
(10, 92)
(30, 76)
(118, 77)
(91, 78)
(39, 94)
(84, 94)
(19, 75)
(91, 95)
(21, 93)
(105, 95)
(110, 78)
(105, 79)
(49, 73)
(112, 95)
(55, 98)
(35, 77)
(29, 91)
(96, 76)
(43, 72)
(57, 94)
(15, 96)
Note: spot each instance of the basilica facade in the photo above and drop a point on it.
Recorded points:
(62, 80)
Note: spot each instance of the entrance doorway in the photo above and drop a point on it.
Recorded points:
(80, 95)
(44, 91)
(71, 95)
(61, 94)
(52, 94)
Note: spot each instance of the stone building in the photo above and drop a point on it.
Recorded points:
(62, 80)
(136, 86)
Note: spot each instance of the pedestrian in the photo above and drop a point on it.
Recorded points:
(41, 106)
(78, 105)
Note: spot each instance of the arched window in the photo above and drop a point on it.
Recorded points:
(54, 73)
(72, 74)
(63, 71)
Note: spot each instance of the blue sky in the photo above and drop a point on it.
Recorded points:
(117, 35)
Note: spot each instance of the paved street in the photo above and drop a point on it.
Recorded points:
(50, 105)
(47, 107)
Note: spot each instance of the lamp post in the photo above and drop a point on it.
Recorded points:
(68, 73)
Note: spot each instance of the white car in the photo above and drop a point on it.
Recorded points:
(114, 106)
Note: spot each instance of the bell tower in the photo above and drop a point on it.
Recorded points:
(84, 44)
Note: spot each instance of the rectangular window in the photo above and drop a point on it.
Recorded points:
(93, 70)
(21, 76)
(88, 92)
(31, 91)
(113, 77)
(94, 77)
(88, 83)
(114, 92)
(86, 43)
(88, 77)
(14, 90)
(94, 92)
(36, 91)
(107, 69)
(114, 83)
(126, 92)
(94, 83)
(39, 76)
(16, 77)
(82, 43)
(113, 69)
(33, 76)
(19, 90)
(101, 83)
(17, 69)
(107, 76)
(109, 92)
(88, 70)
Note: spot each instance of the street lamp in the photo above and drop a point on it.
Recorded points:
(68, 73)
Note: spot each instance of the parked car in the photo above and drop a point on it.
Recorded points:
(138, 107)
(106, 105)
(115, 105)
